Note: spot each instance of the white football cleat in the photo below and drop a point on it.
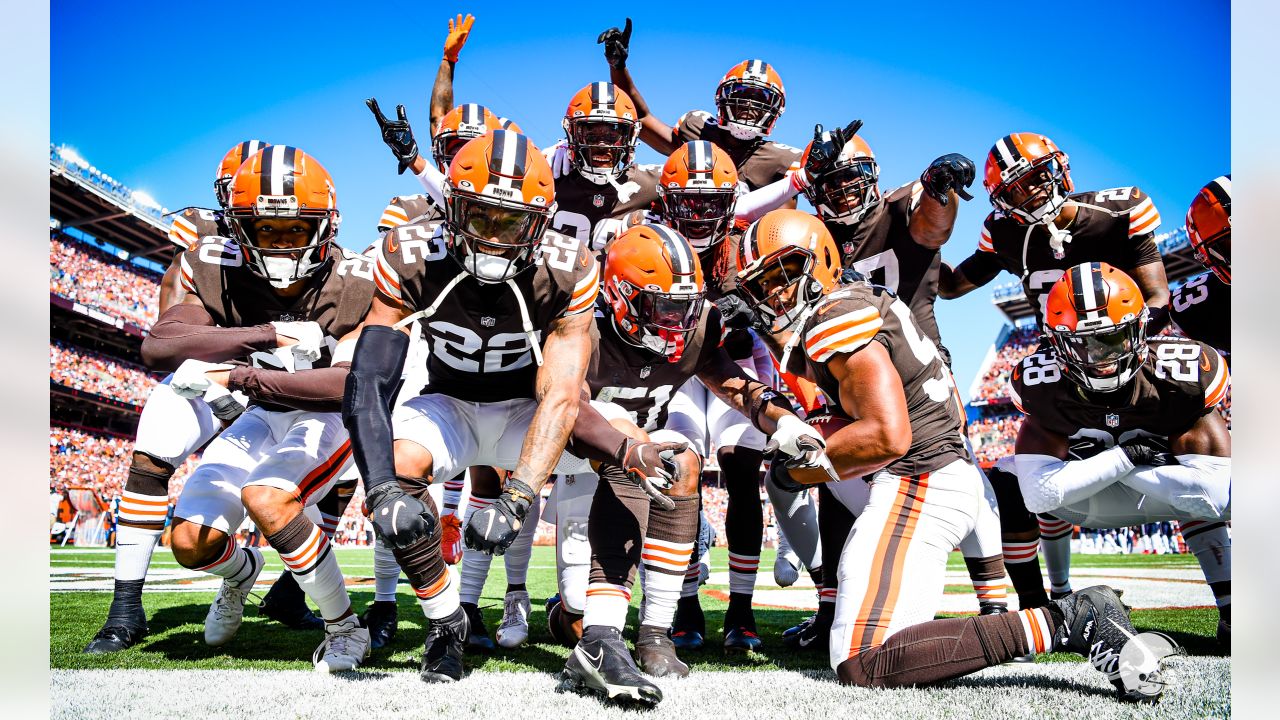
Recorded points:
(345, 646)
(514, 630)
(227, 611)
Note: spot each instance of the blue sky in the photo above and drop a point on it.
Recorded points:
(1136, 93)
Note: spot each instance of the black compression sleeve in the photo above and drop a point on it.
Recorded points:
(366, 405)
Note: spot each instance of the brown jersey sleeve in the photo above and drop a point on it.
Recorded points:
(690, 125)
(317, 390)
(187, 331)
(401, 260)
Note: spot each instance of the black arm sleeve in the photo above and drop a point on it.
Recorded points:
(366, 406)
(980, 268)
(186, 331)
(594, 438)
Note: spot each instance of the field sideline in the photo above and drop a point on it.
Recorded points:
(267, 662)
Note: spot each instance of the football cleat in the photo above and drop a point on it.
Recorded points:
(786, 569)
(812, 635)
(227, 611)
(799, 627)
(1096, 624)
(478, 634)
(345, 646)
(451, 539)
(382, 619)
(514, 629)
(1224, 633)
(741, 640)
(118, 634)
(690, 627)
(1059, 594)
(287, 604)
(656, 654)
(442, 652)
(601, 666)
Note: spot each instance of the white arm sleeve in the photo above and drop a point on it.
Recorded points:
(755, 204)
(1048, 483)
(433, 182)
(763, 362)
(1200, 486)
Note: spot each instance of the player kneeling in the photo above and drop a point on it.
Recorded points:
(1133, 438)
(862, 348)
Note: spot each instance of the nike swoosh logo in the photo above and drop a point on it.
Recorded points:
(594, 662)
(806, 642)
(395, 511)
(1120, 628)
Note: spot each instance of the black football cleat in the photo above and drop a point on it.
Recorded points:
(811, 635)
(382, 618)
(118, 634)
(478, 635)
(741, 640)
(287, 604)
(601, 666)
(1096, 624)
(442, 652)
(656, 654)
(799, 627)
(690, 627)
(992, 608)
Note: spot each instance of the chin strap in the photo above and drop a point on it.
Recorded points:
(795, 336)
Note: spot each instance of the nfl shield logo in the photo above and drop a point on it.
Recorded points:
(644, 372)
(598, 200)
(487, 321)
(1113, 420)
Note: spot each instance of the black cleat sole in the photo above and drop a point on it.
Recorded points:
(621, 696)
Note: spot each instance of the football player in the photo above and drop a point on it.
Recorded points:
(749, 100)
(283, 296)
(1202, 306)
(904, 470)
(656, 331)
(505, 303)
(1131, 435)
(1039, 228)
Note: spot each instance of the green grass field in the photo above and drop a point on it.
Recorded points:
(176, 623)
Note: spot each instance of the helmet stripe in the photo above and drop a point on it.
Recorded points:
(268, 161)
(701, 156)
(1006, 152)
(286, 169)
(472, 114)
(1220, 190)
(677, 248)
(602, 94)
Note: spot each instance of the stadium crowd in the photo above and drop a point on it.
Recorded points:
(995, 380)
(91, 277)
(993, 437)
(99, 374)
(83, 459)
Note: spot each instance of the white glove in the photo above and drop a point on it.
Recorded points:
(558, 157)
(797, 443)
(190, 380)
(309, 336)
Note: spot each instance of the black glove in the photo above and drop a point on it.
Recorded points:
(849, 275)
(824, 151)
(780, 474)
(399, 518)
(952, 171)
(652, 466)
(616, 45)
(226, 408)
(737, 314)
(396, 134)
(493, 529)
(1145, 451)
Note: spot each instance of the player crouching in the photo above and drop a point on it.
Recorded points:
(861, 346)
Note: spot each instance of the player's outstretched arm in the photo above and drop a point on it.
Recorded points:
(442, 90)
(944, 183)
(954, 282)
(617, 47)
(186, 331)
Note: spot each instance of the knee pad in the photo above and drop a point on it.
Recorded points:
(573, 552)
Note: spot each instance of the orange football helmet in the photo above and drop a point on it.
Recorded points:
(283, 182)
(787, 260)
(697, 193)
(499, 197)
(1028, 178)
(457, 127)
(851, 188)
(1209, 227)
(750, 99)
(602, 126)
(230, 164)
(654, 285)
(1096, 320)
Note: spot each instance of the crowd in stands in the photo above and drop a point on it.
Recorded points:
(1150, 539)
(89, 276)
(995, 380)
(99, 374)
(993, 437)
(81, 459)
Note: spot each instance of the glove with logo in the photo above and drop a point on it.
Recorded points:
(396, 134)
(399, 518)
(737, 314)
(1145, 451)
(617, 44)
(493, 529)
(191, 379)
(451, 539)
(653, 467)
(952, 171)
(309, 337)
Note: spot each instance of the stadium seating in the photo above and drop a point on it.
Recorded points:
(89, 276)
(99, 374)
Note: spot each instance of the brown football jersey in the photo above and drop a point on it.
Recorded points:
(1180, 381)
(759, 161)
(858, 313)
(1202, 310)
(403, 208)
(193, 224)
(479, 349)
(881, 248)
(1115, 226)
(337, 297)
(593, 213)
(640, 381)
